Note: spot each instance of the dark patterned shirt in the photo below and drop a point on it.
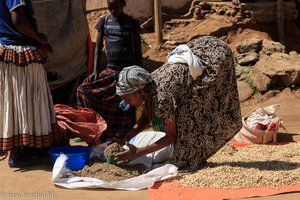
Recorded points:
(119, 39)
(207, 110)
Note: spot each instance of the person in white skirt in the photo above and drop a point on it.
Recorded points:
(27, 115)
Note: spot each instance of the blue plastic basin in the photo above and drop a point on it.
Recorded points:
(78, 156)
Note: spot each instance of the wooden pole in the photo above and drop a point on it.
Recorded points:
(158, 22)
(280, 19)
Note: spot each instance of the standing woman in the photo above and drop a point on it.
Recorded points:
(121, 34)
(26, 108)
(193, 98)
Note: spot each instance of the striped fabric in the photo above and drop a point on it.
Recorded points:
(27, 116)
(26, 140)
(23, 55)
(100, 96)
(119, 40)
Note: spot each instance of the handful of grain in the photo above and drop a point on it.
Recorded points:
(113, 149)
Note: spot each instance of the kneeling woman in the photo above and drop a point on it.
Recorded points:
(193, 98)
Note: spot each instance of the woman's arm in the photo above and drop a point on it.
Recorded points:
(134, 152)
(97, 56)
(138, 48)
(140, 125)
(98, 52)
(23, 25)
(169, 138)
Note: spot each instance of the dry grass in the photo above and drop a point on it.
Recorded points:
(254, 166)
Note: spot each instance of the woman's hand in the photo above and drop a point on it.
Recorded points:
(128, 155)
(91, 78)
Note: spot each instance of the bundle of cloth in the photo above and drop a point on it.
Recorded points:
(84, 123)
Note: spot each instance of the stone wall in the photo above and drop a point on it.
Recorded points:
(143, 9)
(267, 11)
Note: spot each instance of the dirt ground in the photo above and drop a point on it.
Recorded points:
(19, 184)
(35, 182)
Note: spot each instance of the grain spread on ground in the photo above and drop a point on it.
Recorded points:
(108, 172)
(247, 167)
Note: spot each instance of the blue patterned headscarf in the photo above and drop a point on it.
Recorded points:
(132, 79)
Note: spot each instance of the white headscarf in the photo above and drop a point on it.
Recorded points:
(183, 54)
(132, 79)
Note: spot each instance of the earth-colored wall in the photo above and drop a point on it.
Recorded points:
(142, 9)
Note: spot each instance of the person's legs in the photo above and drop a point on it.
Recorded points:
(19, 157)
(14, 154)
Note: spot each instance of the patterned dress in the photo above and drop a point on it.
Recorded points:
(207, 109)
